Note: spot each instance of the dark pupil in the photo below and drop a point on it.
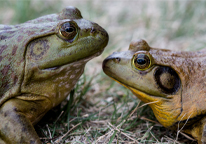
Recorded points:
(69, 29)
(141, 61)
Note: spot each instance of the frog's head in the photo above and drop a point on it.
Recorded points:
(72, 38)
(163, 78)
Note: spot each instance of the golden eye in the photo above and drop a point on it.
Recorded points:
(68, 30)
(141, 61)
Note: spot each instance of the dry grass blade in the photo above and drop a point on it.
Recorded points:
(188, 137)
(147, 104)
(182, 126)
(101, 137)
(146, 119)
(146, 133)
(137, 107)
(115, 128)
(59, 116)
(49, 131)
(174, 141)
(59, 140)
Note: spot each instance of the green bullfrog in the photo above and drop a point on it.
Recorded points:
(40, 62)
(171, 82)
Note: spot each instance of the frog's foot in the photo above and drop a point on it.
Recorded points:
(16, 121)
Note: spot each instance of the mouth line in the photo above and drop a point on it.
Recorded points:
(76, 61)
(131, 87)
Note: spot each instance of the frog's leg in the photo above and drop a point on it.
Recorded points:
(17, 117)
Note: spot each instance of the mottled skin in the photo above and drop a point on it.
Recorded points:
(40, 62)
(174, 83)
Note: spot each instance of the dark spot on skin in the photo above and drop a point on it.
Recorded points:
(15, 109)
(24, 129)
(33, 109)
(19, 39)
(167, 80)
(143, 73)
(1, 58)
(6, 128)
(3, 37)
(32, 141)
(86, 30)
(3, 47)
(6, 27)
(30, 33)
(14, 78)
(14, 49)
(42, 30)
(5, 84)
(5, 70)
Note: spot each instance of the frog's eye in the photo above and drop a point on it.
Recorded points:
(141, 61)
(68, 30)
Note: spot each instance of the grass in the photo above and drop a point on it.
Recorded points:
(99, 110)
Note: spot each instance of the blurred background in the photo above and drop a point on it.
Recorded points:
(168, 24)
(171, 24)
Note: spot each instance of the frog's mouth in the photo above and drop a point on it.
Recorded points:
(82, 61)
(138, 93)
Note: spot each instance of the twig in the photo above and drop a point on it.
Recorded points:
(146, 119)
(59, 116)
(49, 131)
(115, 128)
(144, 136)
(58, 140)
(182, 126)
(188, 137)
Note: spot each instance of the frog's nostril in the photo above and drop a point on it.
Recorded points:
(114, 52)
(93, 30)
(117, 59)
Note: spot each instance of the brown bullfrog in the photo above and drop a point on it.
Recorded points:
(40, 62)
(172, 81)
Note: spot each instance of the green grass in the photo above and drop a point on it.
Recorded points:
(123, 119)
(99, 109)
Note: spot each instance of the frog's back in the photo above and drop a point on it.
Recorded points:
(11, 60)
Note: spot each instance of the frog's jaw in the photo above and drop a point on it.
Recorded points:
(165, 110)
(55, 84)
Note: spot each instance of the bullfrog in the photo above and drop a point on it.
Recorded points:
(171, 82)
(40, 62)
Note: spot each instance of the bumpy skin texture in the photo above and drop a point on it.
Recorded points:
(39, 67)
(174, 82)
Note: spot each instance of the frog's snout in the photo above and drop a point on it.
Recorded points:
(108, 62)
(98, 31)
(114, 59)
